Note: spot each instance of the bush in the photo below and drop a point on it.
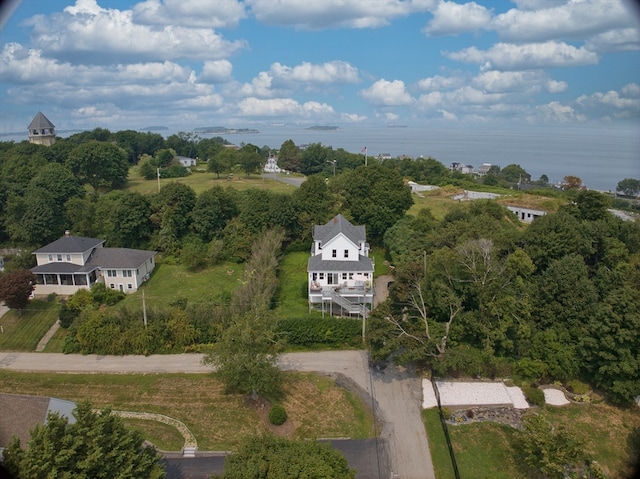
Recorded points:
(309, 332)
(530, 369)
(446, 413)
(277, 415)
(533, 395)
(67, 315)
(577, 387)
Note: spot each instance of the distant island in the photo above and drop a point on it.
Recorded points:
(396, 126)
(221, 130)
(154, 128)
(322, 128)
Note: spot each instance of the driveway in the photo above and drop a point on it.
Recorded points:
(395, 394)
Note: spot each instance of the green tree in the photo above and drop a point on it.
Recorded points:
(96, 445)
(376, 197)
(59, 181)
(271, 457)
(213, 209)
(289, 156)
(244, 357)
(250, 159)
(223, 161)
(35, 218)
(592, 205)
(130, 216)
(99, 164)
(514, 174)
(16, 288)
(314, 159)
(629, 186)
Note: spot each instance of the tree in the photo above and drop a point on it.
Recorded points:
(16, 288)
(97, 445)
(571, 183)
(213, 210)
(592, 205)
(376, 197)
(289, 156)
(99, 164)
(514, 174)
(250, 159)
(629, 186)
(278, 458)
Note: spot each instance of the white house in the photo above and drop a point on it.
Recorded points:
(74, 262)
(271, 166)
(340, 271)
(186, 161)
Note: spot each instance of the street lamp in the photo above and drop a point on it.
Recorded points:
(334, 166)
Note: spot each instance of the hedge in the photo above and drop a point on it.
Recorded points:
(327, 331)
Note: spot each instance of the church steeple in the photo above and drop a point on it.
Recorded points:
(42, 131)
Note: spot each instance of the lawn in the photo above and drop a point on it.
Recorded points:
(169, 282)
(316, 407)
(23, 331)
(201, 181)
(292, 291)
(609, 434)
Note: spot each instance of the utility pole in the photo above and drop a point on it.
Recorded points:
(144, 310)
(158, 173)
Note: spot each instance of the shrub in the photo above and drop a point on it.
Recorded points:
(533, 395)
(67, 315)
(277, 415)
(577, 387)
(530, 369)
(325, 331)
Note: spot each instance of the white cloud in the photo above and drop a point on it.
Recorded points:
(275, 107)
(508, 56)
(622, 39)
(439, 82)
(510, 81)
(260, 86)
(572, 19)
(216, 71)
(325, 73)
(99, 35)
(553, 86)
(190, 13)
(450, 18)
(555, 112)
(387, 93)
(447, 115)
(202, 101)
(314, 15)
(623, 104)
(353, 117)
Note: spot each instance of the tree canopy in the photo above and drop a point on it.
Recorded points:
(16, 288)
(97, 445)
(99, 163)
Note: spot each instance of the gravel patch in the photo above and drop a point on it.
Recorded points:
(459, 394)
(555, 397)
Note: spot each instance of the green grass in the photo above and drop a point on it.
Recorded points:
(292, 301)
(201, 181)
(23, 331)
(165, 437)
(170, 282)
(607, 432)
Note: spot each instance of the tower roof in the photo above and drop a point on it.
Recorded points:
(40, 121)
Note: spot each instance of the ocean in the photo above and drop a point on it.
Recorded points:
(600, 156)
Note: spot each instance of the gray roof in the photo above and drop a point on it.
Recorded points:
(339, 224)
(39, 122)
(316, 264)
(119, 257)
(71, 244)
(63, 268)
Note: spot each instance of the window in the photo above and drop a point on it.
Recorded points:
(314, 276)
(346, 253)
(334, 253)
(50, 258)
(59, 257)
(350, 275)
(112, 286)
(69, 257)
(130, 286)
(321, 275)
(126, 273)
(344, 275)
(111, 273)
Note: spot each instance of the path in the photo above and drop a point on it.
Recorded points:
(49, 334)
(394, 393)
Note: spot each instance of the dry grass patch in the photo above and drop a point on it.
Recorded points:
(165, 437)
(218, 421)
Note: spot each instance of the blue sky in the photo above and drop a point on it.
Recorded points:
(183, 64)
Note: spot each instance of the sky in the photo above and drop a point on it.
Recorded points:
(183, 64)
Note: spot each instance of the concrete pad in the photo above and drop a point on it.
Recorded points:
(555, 397)
(428, 395)
(458, 394)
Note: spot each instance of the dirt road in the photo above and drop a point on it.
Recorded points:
(395, 394)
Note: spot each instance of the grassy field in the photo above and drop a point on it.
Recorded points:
(22, 331)
(201, 181)
(170, 282)
(608, 433)
(218, 421)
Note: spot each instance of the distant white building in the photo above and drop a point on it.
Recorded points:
(526, 215)
(417, 187)
(271, 166)
(484, 168)
(186, 161)
(475, 195)
(462, 168)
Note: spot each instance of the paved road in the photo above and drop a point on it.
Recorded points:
(395, 394)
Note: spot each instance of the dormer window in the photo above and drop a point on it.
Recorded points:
(334, 253)
(346, 253)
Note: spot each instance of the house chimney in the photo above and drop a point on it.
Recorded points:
(67, 232)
